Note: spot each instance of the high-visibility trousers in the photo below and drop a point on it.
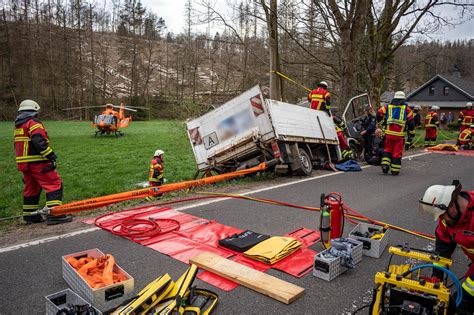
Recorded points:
(430, 136)
(34, 181)
(393, 152)
(467, 303)
(342, 141)
(345, 148)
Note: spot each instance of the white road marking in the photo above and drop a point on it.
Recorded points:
(57, 237)
(46, 240)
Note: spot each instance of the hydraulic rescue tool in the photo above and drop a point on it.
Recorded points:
(332, 218)
(403, 289)
(163, 296)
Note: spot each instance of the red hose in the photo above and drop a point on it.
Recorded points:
(346, 208)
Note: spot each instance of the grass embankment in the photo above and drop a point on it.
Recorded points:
(443, 135)
(99, 166)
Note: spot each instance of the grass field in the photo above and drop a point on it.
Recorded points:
(99, 166)
(92, 167)
(443, 135)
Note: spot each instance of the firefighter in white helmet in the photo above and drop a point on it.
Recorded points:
(397, 119)
(37, 161)
(454, 210)
(466, 117)
(320, 98)
(431, 125)
(155, 176)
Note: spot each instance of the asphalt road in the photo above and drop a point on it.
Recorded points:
(28, 274)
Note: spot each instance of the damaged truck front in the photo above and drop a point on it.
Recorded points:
(250, 129)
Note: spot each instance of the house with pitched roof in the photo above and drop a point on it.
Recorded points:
(450, 93)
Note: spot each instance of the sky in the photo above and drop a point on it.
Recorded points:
(174, 14)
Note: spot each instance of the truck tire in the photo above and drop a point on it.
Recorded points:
(306, 164)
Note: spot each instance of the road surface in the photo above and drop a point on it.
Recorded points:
(29, 273)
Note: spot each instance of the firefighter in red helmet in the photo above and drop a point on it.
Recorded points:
(37, 161)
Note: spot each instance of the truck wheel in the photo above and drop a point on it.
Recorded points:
(306, 164)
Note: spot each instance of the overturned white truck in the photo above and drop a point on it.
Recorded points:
(250, 129)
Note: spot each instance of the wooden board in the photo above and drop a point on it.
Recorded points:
(276, 288)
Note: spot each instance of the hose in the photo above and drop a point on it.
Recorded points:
(448, 272)
(139, 229)
(348, 216)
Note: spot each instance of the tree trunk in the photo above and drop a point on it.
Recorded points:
(272, 26)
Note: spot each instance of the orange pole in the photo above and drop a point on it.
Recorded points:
(98, 202)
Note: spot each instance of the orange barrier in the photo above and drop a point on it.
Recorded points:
(98, 202)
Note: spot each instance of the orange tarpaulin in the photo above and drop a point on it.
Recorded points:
(98, 202)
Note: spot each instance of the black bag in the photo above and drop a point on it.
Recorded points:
(243, 241)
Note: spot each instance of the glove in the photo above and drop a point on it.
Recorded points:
(53, 165)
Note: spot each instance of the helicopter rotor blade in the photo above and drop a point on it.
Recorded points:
(125, 107)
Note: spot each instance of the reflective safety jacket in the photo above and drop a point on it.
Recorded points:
(156, 170)
(320, 99)
(397, 118)
(339, 124)
(31, 142)
(466, 117)
(431, 120)
(465, 136)
(462, 234)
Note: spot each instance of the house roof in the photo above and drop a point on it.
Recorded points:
(463, 86)
(451, 104)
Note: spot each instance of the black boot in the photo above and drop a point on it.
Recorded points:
(34, 218)
(53, 220)
(385, 169)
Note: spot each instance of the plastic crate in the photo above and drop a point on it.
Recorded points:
(103, 298)
(372, 247)
(329, 268)
(59, 300)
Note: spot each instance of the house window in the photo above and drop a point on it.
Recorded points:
(432, 89)
(446, 90)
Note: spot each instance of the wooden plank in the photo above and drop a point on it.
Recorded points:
(276, 288)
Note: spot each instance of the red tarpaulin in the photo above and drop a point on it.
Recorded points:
(196, 235)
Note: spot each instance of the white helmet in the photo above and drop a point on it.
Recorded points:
(399, 95)
(159, 152)
(323, 83)
(435, 107)
(418, 107)
(28, 105)
(468, 104)
(437, 198)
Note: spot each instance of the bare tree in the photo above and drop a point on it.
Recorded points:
(392, 23)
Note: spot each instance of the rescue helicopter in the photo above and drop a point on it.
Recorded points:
(110, 121)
